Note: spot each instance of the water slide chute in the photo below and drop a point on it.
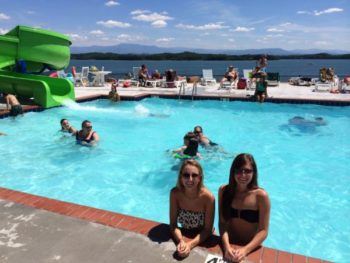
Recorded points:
(35, 49)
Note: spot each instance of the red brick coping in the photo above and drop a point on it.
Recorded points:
(154, 230)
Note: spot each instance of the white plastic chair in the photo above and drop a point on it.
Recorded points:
(247, 74)
(208, 78)
(81, 78)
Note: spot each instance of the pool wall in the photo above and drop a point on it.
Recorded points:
(155, 231)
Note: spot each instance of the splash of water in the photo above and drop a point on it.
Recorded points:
(142, 110)
(80, 107)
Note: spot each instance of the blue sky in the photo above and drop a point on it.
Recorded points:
(212, 24)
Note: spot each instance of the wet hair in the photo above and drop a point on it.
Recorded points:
(230, 190)
(192, 147)
(62, 120)
(85, 122)
(189, 136)
(198, 127)
(192, 162)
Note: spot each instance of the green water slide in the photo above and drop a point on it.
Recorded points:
(35, 49)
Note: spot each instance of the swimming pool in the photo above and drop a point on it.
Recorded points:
(303, 167)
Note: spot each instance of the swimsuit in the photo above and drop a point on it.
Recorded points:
(249, 215)
(190, 219)
(84, 139)
(15, 110)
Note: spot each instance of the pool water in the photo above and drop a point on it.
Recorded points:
(304, 168)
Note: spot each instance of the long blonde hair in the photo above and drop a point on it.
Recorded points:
(194, 163)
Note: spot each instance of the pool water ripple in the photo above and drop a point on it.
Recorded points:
(303, 168)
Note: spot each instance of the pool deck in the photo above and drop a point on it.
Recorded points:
(38, 229)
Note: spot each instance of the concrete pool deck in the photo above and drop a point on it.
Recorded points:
(38, 229)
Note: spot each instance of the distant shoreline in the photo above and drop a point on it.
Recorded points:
(197, 56)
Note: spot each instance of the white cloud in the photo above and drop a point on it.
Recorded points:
(322, 43)
(210, 26)
(96, 32)
(318, 13)
(76, 37)
(127, 38)
(4, 16)
(286, 24)
(139, 11)
(304, 13)
(274, 30)
(165, 39)
(150, 17)
(231, 40)
(243, 29)
(328, 11)
(159, 23)
(3, 31)
(112, 23)
(29, 12)
(111, 3)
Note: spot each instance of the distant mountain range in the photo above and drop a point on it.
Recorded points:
(145, 49)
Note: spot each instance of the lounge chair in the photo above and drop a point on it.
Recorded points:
(328, 81)
(208, 78)
(229, 85)
(248, 75)
(82, 78)
(273, 78)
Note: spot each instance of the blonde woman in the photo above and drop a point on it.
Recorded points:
(192, 205)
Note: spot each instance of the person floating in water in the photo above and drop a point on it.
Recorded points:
(13, 104)
(86, 136)
(297, 120)
(306, 125)
(3, 134)
(190, 148)
(66, 127)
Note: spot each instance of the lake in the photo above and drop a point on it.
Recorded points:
(286, 67)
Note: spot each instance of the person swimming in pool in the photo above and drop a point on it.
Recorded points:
(244, 210)
(86, 136)
(66, 127)
(190, 148)
(192, 206)
(203, 139)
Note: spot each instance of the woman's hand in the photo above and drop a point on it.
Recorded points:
(229, 254)
(183, 249)
(239, 254)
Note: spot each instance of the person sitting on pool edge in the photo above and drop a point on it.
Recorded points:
(202, 139)
(16, 107)
(190, 148)
(193, 206)
(86, 136)
(261, 87)
(66, 127)
(244, 210)
(113, 94)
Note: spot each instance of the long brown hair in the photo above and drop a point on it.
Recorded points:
(192, 162)
(229, 191)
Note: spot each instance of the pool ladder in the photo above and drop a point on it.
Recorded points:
(182, 90)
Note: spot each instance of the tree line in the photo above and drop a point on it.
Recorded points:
(197, 56)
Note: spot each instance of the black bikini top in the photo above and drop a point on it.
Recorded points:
(251, 216)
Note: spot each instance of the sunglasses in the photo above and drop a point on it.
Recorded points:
(88, 127)
(243, 171)
(197, 132)
(187, 175)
